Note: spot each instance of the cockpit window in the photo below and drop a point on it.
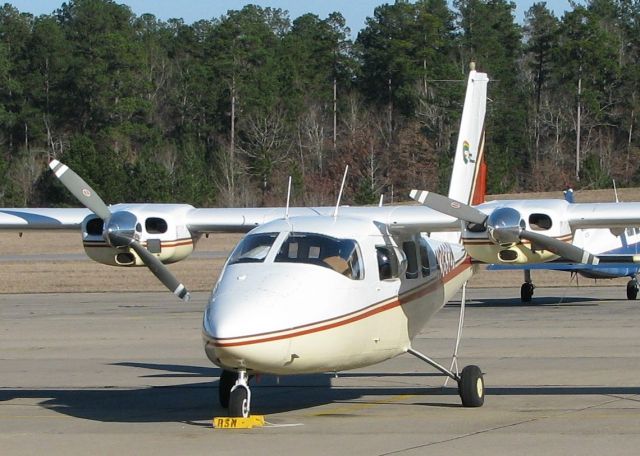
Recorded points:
(253, 248)
(341, 255)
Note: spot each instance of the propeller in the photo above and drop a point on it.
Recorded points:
(504, 226)
(119, 227)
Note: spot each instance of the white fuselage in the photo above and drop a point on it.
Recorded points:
(288, 317)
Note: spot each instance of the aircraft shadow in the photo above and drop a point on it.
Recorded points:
(197, 403)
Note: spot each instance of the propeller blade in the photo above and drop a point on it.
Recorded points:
(563, 249)
(80, 189)
(161, 272)
(449, 206)
(122, 230)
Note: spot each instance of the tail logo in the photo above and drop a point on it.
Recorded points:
(466, 153)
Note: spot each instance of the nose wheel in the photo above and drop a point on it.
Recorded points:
(226, 382)
(239, 397)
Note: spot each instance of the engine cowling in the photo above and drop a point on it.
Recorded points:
(503, 245)
(156, 226)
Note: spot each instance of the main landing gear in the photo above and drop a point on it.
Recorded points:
(234, 393)
(526, 290)
(470, 380)
(632, 289)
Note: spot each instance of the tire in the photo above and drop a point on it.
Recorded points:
(239, 402)
(632, 290)
(471, 387)
(226, 382)
(526, 292)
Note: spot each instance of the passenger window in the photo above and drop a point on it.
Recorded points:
(409, 248)
(424, 257)
(387, 263)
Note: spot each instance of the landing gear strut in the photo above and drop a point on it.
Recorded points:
(526, 290)
(632, 289)
(240, 396)
(470, 380)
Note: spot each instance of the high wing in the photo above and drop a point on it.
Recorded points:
(603, 215)
(20, 219)
(396, 218)
(216, 220)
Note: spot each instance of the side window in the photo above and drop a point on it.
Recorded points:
(387, 263)
(409, 248)
(424, 257)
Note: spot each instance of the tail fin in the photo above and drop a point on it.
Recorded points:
(466, 178)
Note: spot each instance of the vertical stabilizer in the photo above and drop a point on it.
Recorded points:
(468, 178)
(469, 150)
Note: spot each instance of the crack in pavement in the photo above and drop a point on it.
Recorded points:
(505, 426)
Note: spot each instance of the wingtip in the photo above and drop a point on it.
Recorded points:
(53, 164)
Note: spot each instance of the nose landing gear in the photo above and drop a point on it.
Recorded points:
(234, 393)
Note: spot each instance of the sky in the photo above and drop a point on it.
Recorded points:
(354, 11)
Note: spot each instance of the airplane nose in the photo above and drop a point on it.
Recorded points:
(234, 332)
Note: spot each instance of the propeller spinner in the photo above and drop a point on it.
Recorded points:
(119, 227)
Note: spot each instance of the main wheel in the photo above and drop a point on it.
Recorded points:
(226, 382)
(471, 386)
(526, 292)
(239, 402)
(632, 289)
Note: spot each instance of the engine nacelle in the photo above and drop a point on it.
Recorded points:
(159, 230)
(542, 216)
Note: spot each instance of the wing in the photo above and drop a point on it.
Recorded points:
(603, 215)
(397, 218)
(21, 219)
(212, 220)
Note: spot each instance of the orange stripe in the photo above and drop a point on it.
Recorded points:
(482, 241)
(166, 244)
(358, 315)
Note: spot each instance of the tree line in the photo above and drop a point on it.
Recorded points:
(222, 111)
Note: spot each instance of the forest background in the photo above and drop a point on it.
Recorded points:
(222, 111)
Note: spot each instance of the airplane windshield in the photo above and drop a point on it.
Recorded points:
(341, 255)
(254, 248)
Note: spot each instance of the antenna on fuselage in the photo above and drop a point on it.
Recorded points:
(615, 191)
(381, 200)
(344, 178)
(286, 211)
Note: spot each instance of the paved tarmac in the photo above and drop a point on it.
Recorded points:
(125, 373)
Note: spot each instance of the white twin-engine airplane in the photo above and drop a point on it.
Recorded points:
(329, 289)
